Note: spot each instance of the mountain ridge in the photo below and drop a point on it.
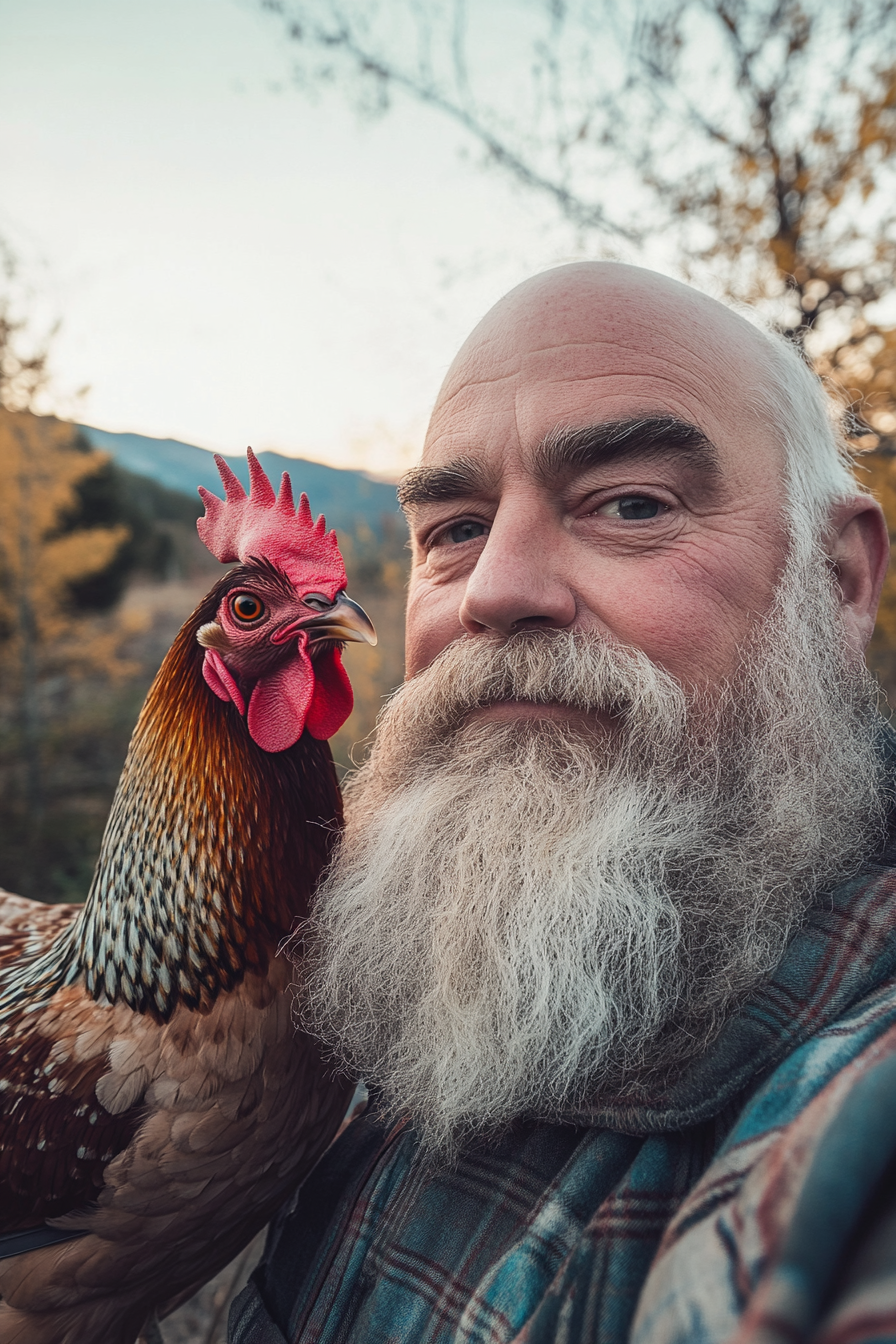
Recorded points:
(346, 497)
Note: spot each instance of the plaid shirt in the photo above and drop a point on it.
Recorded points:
(753, 1200)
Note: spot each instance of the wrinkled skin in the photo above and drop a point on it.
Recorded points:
(650, 547)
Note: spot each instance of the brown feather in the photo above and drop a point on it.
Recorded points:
(152, 1087)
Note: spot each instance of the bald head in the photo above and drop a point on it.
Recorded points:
(613, 451)
(604, 310)
(601, 314)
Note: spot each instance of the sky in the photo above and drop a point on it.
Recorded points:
(230, 261)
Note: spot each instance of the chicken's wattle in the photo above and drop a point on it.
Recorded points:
(296, 695)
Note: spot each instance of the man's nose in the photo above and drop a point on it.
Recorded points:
(518, 580)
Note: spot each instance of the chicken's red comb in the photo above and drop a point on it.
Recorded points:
(262, 525)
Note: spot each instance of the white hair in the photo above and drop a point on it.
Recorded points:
(819, 472)
(523, 916)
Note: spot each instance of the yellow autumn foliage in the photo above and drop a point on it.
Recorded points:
(861, 373)
(40, 469)
(788, 227)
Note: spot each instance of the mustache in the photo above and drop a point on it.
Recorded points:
(581, 670)
(525, 914)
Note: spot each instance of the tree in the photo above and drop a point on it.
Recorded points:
(754, 129)
(24, 353)
(750, 142)
(75, 529)
(50, 632)
(43, 632)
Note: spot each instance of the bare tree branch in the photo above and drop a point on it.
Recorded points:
(341, 32)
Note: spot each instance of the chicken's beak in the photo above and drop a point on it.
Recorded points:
(345, 621)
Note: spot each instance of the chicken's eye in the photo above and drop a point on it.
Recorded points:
(247, 608)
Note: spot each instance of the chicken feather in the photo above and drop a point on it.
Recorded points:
(155, 1096)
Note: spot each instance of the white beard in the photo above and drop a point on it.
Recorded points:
(525, 915)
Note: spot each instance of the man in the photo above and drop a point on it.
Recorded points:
(611, 934)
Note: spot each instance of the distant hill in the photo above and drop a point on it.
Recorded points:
(346, 497)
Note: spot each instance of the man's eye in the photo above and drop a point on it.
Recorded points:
(632, 507)
(465, 531)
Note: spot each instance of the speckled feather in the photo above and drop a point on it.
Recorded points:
(153, 1088)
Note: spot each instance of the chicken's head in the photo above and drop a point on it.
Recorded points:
(273, 648)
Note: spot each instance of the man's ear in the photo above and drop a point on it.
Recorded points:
(860, 551)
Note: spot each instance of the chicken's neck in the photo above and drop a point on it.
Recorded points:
(212, 849)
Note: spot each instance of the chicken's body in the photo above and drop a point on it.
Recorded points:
(153, 1089)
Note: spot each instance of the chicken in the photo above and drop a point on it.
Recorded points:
(156, 1102)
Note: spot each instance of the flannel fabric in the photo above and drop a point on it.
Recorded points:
(753, 1200)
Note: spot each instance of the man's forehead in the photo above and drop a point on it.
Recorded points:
(548, 359)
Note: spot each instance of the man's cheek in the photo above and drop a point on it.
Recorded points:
(689, 624)
(433, 621)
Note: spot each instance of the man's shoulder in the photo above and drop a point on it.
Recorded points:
(793, 1225)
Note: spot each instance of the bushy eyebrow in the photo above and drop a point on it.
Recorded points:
(431, 485)
(566, 452)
